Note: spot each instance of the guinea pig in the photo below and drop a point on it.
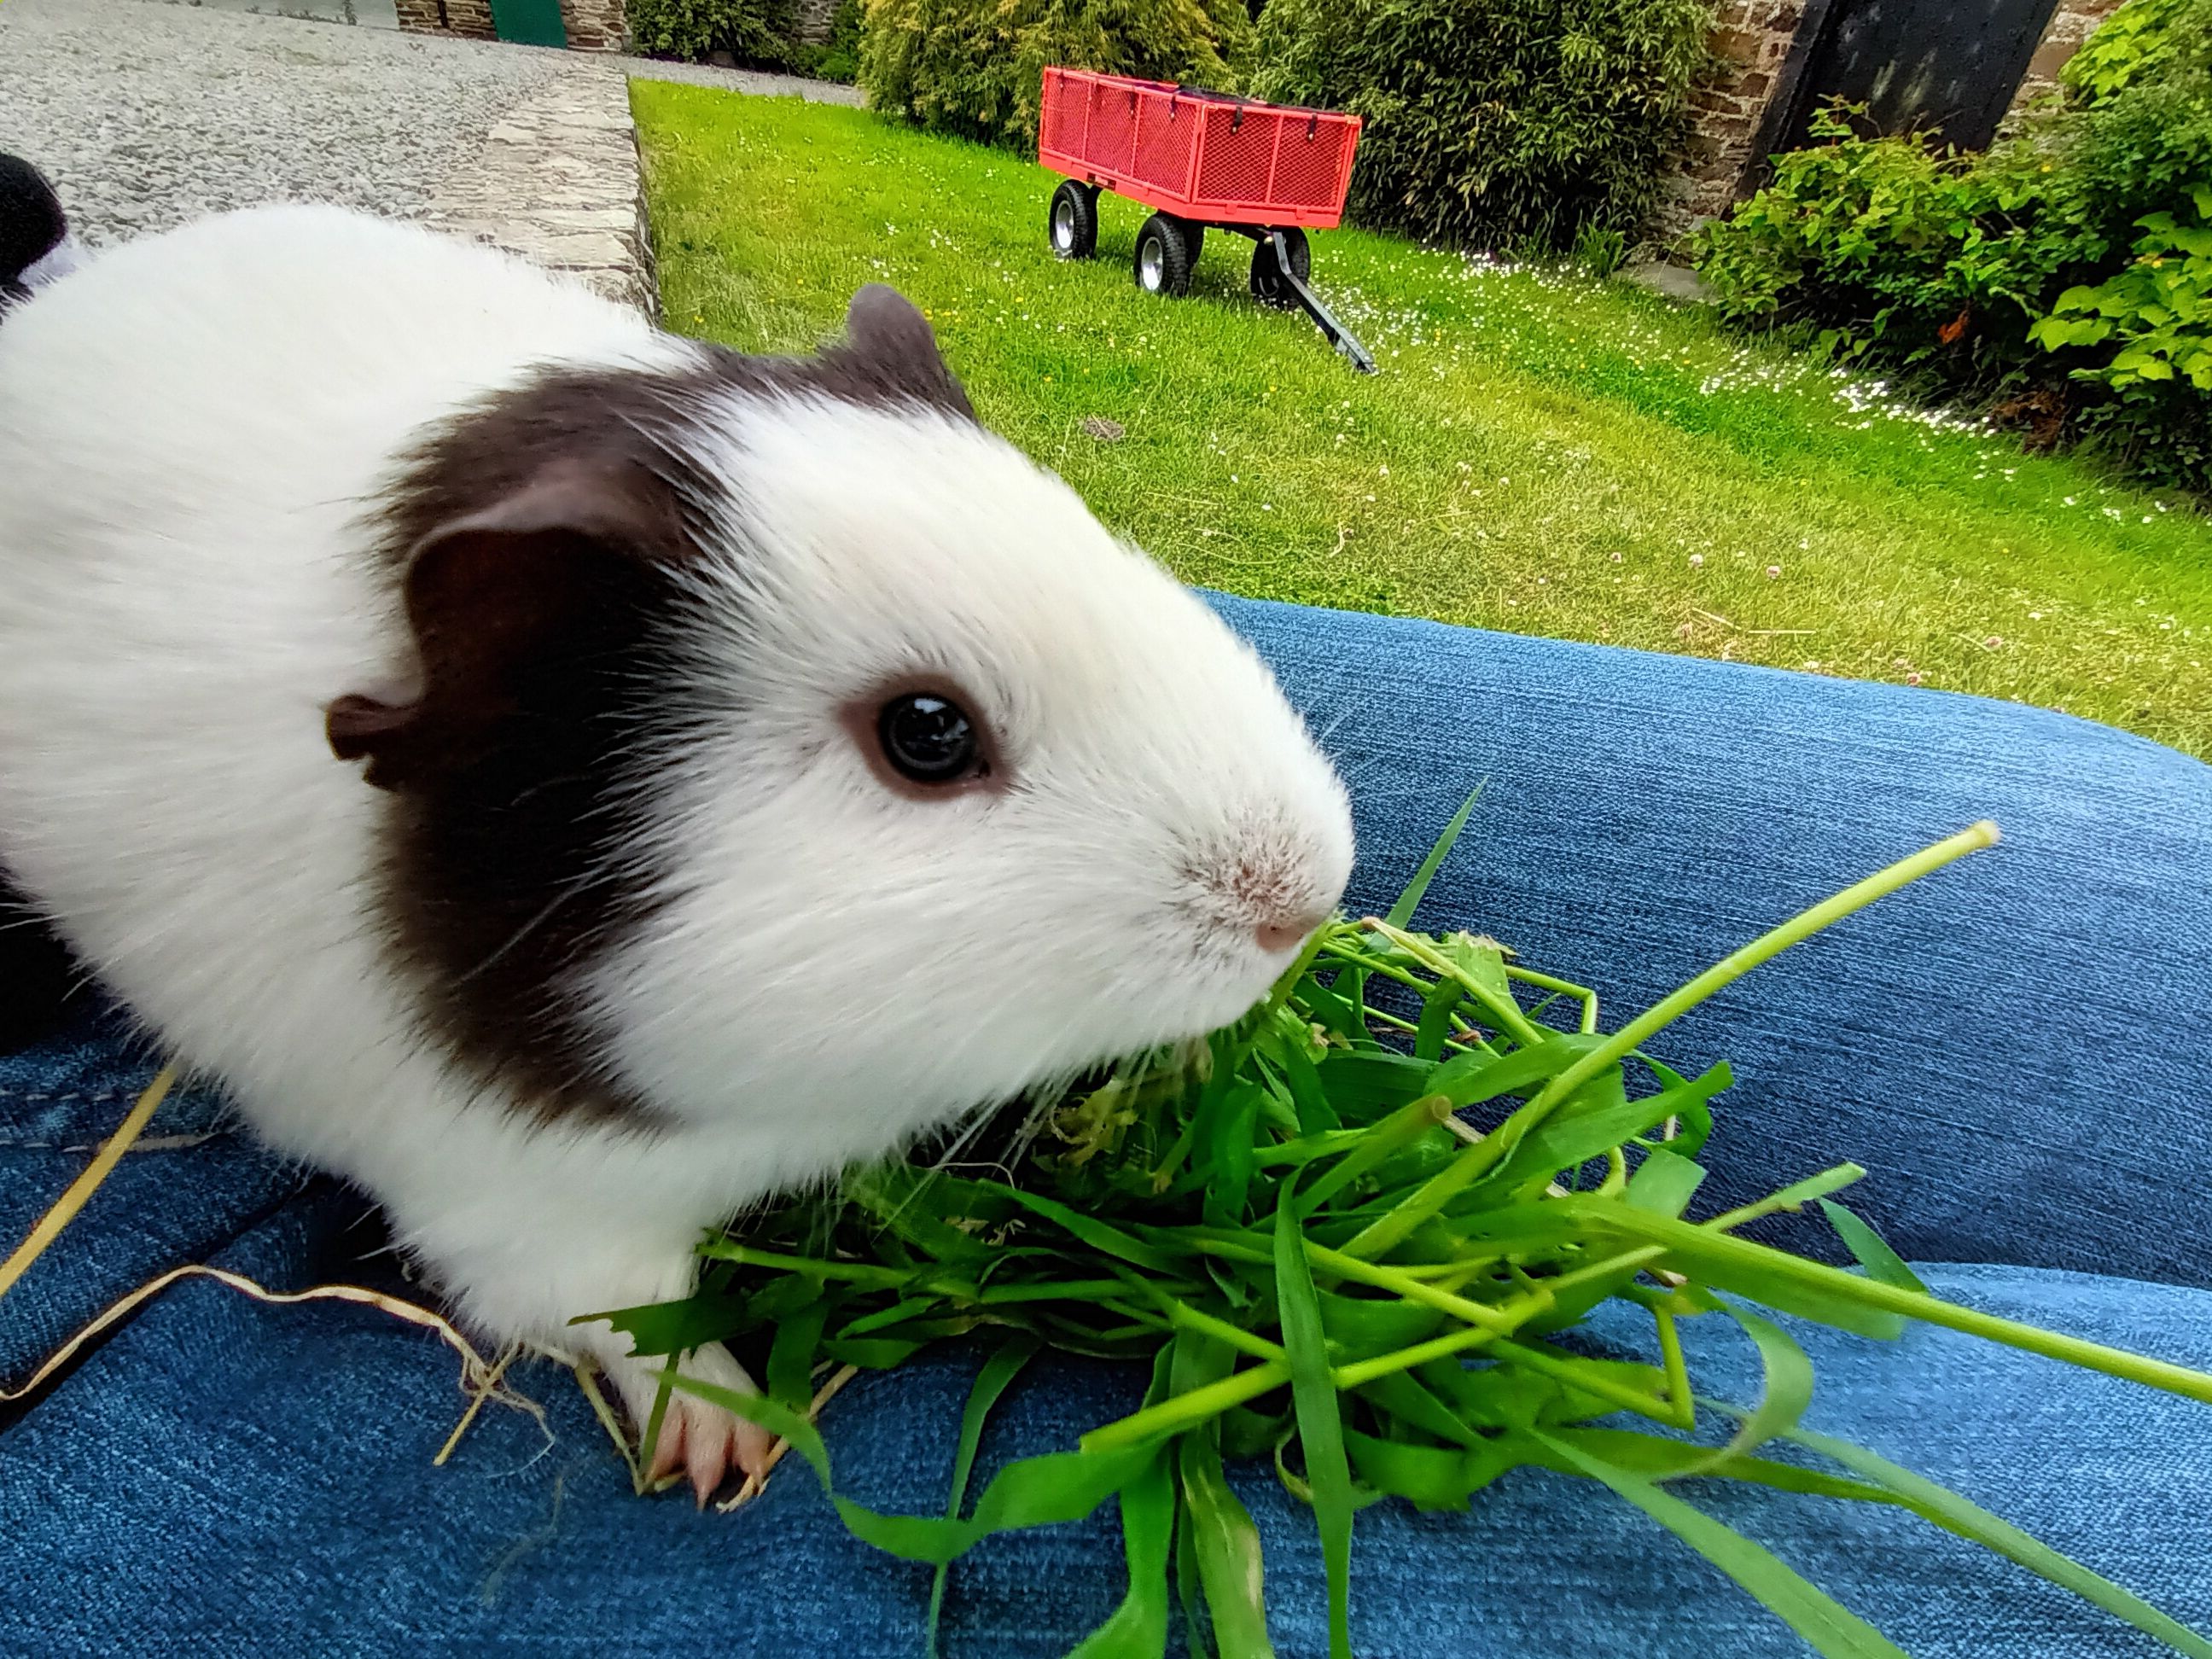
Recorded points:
(36, 245)
(572, 782)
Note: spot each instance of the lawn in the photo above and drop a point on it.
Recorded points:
(1542, 453)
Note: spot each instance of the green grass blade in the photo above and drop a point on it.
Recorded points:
(1138, 1628)
(791, 1358)
(1000, 1369)
(1321, 1422)
(1832, 1629)
(1664, 1184)
(1098, 1235)
(1418, 888)
(1969, 1520)
(1655, 1457)
(1871, 1248)
(1787, 1392)
(1227, 1545)
(1034, 1491)
(1708, 1254)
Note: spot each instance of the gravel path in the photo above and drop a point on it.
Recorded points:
(147, 114)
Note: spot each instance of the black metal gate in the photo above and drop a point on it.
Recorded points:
(1949, 67)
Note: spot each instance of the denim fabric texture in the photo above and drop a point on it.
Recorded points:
(2016, 1048)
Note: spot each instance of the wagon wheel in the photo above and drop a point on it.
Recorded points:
(1268, 287)
(1167, 247)
(1072, 224)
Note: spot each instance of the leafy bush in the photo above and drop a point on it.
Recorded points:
(1495, 122)
(751, 31)
(2141, 41)
(2056, 270)
(841, 55)
(974, 67)
(2156, 314)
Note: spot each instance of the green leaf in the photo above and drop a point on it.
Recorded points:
(1664, 1182)
(1410, 901)
(1321, 1425)
(1434, 1027)
(1138, 1628)
(1402, 1396)
(1230, 1566)
(1969, 1520)
(1000, 1369)
(1034, 1491)
(660, 1327)
(1832, 1628)
(791, 1359)
(1655, 1457)
(1871, 1248)
(1098, 1235)
(1786, 1391)
(1595, 1119)
(1428, 1477)
(1471, 1079)
(1362, 1087)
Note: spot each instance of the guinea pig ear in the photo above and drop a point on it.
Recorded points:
(510, 605)
(888, 350)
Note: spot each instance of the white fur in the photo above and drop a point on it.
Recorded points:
(189, 427)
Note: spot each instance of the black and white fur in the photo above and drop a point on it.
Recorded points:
(439, 705)
(36, 245)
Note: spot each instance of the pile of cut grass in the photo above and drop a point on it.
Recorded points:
(1338, 1240)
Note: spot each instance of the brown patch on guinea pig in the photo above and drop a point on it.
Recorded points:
(534, 541)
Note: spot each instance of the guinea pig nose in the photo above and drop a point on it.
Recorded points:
(1289, 930)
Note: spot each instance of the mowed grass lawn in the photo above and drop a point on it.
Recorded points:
(1542, 453)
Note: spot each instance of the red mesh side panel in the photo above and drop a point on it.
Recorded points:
(1166, 131)
(1061, 128)
(1233, 167)
(1113, 129)
(1307, 169)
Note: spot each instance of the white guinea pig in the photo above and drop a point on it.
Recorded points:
(571, 781)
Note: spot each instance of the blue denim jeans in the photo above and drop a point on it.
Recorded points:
(2020, 1049)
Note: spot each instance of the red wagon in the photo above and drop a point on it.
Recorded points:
(1199, 159)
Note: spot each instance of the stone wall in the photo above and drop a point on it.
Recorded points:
(468, 17)
(2075, 22)
(812, 27)
(1752, 39)
(593, 25)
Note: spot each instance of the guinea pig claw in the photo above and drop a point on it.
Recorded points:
(668, 1451)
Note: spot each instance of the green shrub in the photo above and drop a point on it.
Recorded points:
(752, 31)
(2141, 41)
(1495, 122)
(2150, 325)
(974, 67)
(841, 54)
(2060, 270)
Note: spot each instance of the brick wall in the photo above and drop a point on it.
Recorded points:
(2075, 22)
(468, 17)
(1751, 38)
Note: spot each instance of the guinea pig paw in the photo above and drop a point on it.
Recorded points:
(704, 1441)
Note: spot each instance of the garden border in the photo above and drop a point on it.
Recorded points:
(558, 181)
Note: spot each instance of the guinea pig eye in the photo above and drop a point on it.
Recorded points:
(929, 739)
